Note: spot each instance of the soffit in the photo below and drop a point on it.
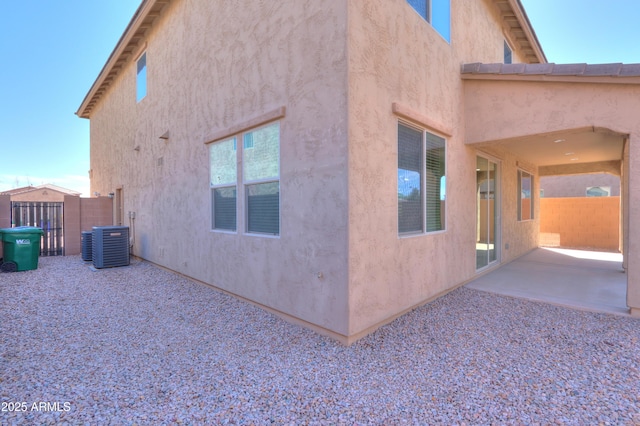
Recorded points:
(128, 45)
(576, 146)
(516, 22)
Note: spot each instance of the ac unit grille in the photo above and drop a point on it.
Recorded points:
(110, 246)
(87, 248)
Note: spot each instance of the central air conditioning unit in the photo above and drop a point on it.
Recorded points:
(87, 246)
(110, 246)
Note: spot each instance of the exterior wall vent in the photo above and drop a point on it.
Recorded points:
(87, 246)
(110, 246)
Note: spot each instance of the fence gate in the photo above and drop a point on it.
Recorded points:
(48, 216)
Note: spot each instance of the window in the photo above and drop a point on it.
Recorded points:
(525, 199)
(508, 54)
(261, 165)
(223, 181)
(421, 181)
(598, 191)
(260, 180)
(141, 77)
(437, 13)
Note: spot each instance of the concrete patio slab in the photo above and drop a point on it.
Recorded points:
(586, 280)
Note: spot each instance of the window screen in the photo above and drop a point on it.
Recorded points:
(410, 218)
(435, 181)
(223, 178)
(261, 167)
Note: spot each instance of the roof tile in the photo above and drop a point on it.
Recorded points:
(599, 70)
(538, 69)
(513, 68)
(630, 70)
(568, 69)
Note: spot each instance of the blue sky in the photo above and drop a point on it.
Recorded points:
(53, 50)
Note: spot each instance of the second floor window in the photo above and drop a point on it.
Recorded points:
(437, 13)
(508, 53)
(141, 77)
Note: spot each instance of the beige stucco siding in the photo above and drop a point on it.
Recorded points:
(204, 77)
(397, 57)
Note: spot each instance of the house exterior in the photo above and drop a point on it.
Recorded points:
(342, 162)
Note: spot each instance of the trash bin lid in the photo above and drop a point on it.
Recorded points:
(22, 230)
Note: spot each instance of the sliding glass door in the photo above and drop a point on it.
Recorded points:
(487, 202)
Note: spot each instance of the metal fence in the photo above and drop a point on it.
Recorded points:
(48, 216)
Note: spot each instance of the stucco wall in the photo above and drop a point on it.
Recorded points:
(209, 70)
(397, 57)
(337, 68)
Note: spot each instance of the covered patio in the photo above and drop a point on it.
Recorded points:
(585, 280)
(565, 119)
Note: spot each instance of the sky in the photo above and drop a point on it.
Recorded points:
(52, 52)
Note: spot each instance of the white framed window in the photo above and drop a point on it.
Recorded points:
(223, 181)
(141, 77)
(508, 53)
(259, 183)
(421, 180)
(525, 195)
(437, 13)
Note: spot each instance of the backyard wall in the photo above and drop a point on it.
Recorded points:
(586, 222)
(82, 214)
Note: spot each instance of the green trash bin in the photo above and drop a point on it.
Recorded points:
(21, 248)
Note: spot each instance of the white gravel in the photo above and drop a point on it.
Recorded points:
(139, 345)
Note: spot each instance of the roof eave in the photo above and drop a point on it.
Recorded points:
(127, 45)
(521, 14)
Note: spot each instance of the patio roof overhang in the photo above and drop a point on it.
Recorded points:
(564, 118)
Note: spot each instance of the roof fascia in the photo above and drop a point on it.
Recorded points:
(553, 78)
(134, 25)
(522, 17)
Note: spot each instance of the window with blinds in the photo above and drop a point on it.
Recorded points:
(223, 180)
(260, 187)
(261, 165)
(421, 180)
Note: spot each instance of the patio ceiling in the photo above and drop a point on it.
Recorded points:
(577, 146)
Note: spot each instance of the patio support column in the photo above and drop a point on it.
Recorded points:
(632, 231)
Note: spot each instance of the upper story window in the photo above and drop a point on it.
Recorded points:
(421, 180)
(508, 53)
(141, 77)
(437, 13)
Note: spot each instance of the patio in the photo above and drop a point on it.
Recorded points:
(579, 279)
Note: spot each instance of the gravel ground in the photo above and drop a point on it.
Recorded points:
(140, 345)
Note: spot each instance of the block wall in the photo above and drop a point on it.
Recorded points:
(586, 222)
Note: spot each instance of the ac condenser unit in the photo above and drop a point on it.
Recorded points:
(110, 246)
(86, 246)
